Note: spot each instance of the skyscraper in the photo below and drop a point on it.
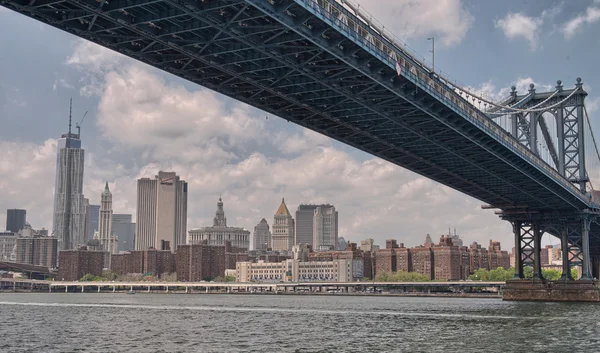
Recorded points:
(92, 215)
(69, 206)
(325, 228)
(283, 229)
(15, 220)
(124, 229)
(305, 217)
(262, 235)
(161, 212)
(107, 240)
(304, 224)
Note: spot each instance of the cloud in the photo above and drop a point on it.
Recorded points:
(149, 121)
(519, 25)
(61, 83)
(447, 20)
(590, 16)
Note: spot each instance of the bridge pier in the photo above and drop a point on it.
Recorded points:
(573, 230)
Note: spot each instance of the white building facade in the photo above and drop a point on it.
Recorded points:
(295, 271)
(220, 232)
(8, 246)
(161, 212)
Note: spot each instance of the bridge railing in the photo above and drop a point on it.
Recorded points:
(337, 13)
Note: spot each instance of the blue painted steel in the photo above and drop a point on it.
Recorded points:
(301, 61)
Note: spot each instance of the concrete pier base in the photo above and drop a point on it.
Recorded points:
(557, 291)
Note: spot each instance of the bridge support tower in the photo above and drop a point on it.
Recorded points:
(573, 231)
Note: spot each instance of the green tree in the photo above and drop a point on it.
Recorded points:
(551, 274)
(87, 278)
(401, 276)
(574, 273)
(229, 278)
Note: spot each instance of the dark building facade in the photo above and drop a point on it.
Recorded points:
(74, 264)
(149, 262)
(15, 220)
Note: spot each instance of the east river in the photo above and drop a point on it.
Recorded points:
(38, 322)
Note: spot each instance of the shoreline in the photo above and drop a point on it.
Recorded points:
(408, 295)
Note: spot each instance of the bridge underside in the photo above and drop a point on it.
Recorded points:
(285, 58)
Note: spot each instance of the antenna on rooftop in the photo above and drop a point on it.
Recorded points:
(70, 112)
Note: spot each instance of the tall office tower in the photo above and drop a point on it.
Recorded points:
(124, 229)
(92, 216)
(305, 216)
(107, 240)
(282, 238)
(262, 235)
(15, 220)
(304, 224)
(161, 212)
(69, 206)
(325, 228)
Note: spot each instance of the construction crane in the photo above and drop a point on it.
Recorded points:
(78, 125)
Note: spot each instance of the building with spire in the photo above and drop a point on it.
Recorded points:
(219, 233)
(282, 238)
(69, 205)
(262, 236)
(108, 240)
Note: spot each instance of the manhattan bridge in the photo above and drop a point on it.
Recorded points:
(330, 67)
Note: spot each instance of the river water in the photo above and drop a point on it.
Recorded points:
(38, 322)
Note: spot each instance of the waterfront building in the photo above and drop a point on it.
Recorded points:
(8, 242)
(219, 233)
(124, 230)
(203, 262)
(15, 220)
(295, 271)
(37, 250)
(325, 227)
(92, 216)
(422, 261)
(74, 264)
(446, 260)
(262, 236)
(108, 241)
(478, 257)
(283, 229)
(497, 257)
(161, 212)
(361, 260)
(268, 255)
(69, 204)
(149, 263)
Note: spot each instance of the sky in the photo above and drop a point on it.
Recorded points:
(140, 120)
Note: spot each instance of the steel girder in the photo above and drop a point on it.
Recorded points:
(281, 58)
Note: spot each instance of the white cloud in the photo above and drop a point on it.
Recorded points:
(61, 83)
(519, 25)
(212, 143)
(591, 15)
(447, 20)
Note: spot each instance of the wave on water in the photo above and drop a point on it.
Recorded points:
(276, 310)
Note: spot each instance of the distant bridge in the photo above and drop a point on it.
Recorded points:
(325, 65)
(31, 270)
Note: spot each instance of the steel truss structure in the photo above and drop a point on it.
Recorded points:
(318, 64)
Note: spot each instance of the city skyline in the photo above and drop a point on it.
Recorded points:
(255, 161)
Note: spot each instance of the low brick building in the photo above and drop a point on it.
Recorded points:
(37, 250)
(150, 262)
(74, 264)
